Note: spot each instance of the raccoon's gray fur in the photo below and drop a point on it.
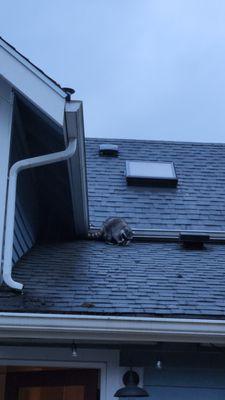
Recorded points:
(114, 231)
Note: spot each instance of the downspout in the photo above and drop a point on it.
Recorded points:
(11, 203)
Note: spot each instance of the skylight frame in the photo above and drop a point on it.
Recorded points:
(145, 180)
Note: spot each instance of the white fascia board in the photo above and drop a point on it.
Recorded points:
(110, 329)
(77, 167)
(6, 115)
(32, 83)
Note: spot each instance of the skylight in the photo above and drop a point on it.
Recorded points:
(156, 173)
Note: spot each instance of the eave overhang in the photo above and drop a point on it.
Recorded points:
(32, 83)
(110, 329)
(51, 102)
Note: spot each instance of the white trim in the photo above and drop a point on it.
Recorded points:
(110, 329)
(31, 67)
(102, 367)
(107, 361)
(77, 168)
(32, 84)
(6, 115)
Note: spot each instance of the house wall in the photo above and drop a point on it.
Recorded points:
(26, 213)
(186, 383)
(188, 371)
(200, 376)
(106, 360)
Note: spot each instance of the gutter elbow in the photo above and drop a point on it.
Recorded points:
(9, 281)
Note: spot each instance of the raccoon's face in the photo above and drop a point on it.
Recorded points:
(126, 236)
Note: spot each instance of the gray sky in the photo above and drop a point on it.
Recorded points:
(149, 69)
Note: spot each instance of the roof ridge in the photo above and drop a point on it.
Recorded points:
(178, 142)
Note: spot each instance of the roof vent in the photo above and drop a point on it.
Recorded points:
(108, 149)
(193, 240)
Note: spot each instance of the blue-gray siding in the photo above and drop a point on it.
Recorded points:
(185, 383)
(25, 228)
(24, 232)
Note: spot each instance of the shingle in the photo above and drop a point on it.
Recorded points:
(139, 279)
(196, 203)
(143, 278)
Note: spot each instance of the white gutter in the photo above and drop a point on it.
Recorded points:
(110, 329)
(11, 203)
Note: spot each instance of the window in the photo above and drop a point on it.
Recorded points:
(154, 173)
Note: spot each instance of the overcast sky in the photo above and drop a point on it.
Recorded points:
(150, 69)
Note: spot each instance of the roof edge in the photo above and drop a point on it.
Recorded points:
(29, 64)
(110, 328)
(32, 83)
(162, 141)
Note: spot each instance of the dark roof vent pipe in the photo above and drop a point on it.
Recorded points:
(69, 92)
(108, 149)
(193, 240)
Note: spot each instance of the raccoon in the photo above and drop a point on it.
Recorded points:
(114, 231)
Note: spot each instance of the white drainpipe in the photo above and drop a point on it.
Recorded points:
(11, 203)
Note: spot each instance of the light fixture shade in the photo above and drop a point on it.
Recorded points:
(131, 392)
(131, 389)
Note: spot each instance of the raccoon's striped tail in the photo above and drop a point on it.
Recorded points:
(97, 235)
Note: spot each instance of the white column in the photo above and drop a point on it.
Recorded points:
(6, 110)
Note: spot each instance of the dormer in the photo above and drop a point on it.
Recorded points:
(41, 155)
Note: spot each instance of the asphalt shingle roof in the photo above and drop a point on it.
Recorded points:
(198, 202)
(160, 279)
(140, 279)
